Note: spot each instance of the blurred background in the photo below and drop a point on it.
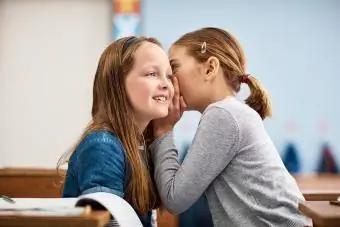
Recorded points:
(49, 50)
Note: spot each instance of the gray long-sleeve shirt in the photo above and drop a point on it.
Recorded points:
(234, 163)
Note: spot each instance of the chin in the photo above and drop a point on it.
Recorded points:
(161, 113)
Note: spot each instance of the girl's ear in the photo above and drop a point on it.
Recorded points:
(212, 65)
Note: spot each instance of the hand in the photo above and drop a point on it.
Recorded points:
(176, 109)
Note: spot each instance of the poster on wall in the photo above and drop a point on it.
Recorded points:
(126, 18)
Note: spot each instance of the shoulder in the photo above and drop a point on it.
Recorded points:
(100, 164)
(220, 114)
(100, 138)
(221, 120)
(239, 116)
(103, 142)
(232, 109)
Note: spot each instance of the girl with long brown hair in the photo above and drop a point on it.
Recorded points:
(132, 86)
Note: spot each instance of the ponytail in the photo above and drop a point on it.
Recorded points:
(258, 99)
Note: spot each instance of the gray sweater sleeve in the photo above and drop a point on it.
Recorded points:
(214, 145)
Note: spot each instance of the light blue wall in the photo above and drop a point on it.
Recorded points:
(293, 47)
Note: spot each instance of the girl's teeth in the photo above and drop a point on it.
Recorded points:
(160, 98)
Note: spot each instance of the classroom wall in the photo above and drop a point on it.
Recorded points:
(48, 55)
(49, 51)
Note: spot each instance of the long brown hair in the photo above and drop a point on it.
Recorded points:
(112, 111)
(206, 42)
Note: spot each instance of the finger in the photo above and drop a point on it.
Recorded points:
(183, 105)
(176, 87)
(176, 101)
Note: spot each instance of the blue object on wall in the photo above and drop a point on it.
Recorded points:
(291, 158)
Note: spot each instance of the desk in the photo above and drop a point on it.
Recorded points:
(319, 187)
(322, 213)
(38, 183)
(94, 219)
(45, 183)
(318, 195)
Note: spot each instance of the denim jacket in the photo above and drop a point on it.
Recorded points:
(99, 165)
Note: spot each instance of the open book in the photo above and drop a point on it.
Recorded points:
(123, 214)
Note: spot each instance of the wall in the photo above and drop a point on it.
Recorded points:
(48, 55)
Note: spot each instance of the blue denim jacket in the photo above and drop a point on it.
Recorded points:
(99, 165)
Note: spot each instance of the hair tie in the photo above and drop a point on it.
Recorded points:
(244, 78)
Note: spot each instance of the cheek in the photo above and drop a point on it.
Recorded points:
(182, 84)
(137, 93)
(185, 81)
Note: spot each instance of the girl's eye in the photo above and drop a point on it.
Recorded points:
(174, 67)
(169, 76)
(152, 74)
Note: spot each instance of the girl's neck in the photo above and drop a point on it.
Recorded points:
(216, 98)
(142, 125)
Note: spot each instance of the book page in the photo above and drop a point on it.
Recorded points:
(37, 203)
(41, 207)
(124, 215)
(121, 210)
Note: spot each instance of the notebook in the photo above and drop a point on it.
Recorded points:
(123, 215)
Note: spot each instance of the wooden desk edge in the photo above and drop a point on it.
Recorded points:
(95, 218)
(317, 218)
(320, 195)
(31, 172)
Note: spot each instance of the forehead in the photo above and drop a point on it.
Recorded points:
(150, 53)
(177, 52)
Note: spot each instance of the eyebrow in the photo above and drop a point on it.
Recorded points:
(156, 67)
(172, 61)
